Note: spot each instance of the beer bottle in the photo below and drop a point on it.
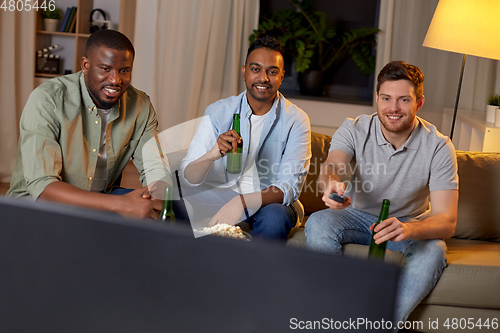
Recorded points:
(378, 250)
(233, 162)
(167, 209)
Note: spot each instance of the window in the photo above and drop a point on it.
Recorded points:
(344, 81)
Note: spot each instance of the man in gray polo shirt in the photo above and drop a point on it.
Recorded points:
(394, 155)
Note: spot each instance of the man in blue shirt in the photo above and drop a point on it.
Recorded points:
(276, 138)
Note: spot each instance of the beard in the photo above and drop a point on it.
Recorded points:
(103, 104)
(402, 127)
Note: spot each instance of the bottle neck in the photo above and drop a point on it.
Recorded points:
(236, 123)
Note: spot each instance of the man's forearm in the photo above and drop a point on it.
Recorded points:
(326, 176)
(269, 195)
(197, 171)
(137, 203)
(440, 226)
(68, 194)
(332, 169)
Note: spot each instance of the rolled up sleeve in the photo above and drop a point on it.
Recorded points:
(40, 150)
(203, 141)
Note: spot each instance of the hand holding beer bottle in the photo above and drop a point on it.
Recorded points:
(378, 250)
(233, 162)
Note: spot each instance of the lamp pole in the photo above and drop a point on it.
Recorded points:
(458, 97)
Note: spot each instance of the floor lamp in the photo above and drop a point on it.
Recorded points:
(470, 27)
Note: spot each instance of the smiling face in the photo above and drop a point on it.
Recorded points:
(263, 74)
(397, 108)
(107, 75)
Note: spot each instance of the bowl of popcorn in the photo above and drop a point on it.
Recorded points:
(225, 230)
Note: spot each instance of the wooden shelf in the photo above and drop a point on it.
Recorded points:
(56, 33)
(47, 75)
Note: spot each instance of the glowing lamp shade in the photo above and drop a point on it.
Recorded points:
(470, 27)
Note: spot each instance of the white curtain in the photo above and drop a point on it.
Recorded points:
(17, 67)
(441, 68)
(200, 47)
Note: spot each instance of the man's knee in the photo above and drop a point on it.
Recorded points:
(276, 213)
(319, 222)
(273, 221)
(434, 248)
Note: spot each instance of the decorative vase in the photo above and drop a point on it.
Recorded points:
(50, 24)
(490, 113)
(497, 117)
(311, 83)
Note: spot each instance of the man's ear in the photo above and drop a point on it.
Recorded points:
(420, 102)
(84, 65)
(243, 69)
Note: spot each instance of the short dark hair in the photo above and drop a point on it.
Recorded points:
(400, 70)
(266, 42)
(111, 39)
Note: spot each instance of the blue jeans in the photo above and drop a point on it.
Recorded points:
(273, 221)
(328, 229)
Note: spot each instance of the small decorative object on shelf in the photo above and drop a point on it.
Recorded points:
(99, 24)
(51, 18)
(46, 62)
(493, 105)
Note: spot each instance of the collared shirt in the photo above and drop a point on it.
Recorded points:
(425, 162)
(60, 134)
(284, 148)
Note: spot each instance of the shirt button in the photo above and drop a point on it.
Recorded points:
(248, 125)
(94, 150)
(245, 149)
(90, 178)
(97, 122)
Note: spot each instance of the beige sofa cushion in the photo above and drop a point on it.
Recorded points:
(471, 264)
(479, 196)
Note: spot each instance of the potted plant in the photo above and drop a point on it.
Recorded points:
(315, 45)
(493, 104)
(51, 18)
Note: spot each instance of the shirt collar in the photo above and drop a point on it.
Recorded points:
(247, 110)
(414, 140)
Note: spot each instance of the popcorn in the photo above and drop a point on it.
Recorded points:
(225, 230)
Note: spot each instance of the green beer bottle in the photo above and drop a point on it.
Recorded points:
(167, 209)
(233, 162)
(378, 250)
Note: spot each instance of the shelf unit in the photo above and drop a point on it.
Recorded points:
(73, 44)
(472, 131)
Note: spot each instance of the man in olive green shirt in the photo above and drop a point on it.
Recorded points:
(78, 132)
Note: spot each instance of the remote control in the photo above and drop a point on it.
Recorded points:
(337, 197)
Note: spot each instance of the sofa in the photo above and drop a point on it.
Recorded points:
(467, 296)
